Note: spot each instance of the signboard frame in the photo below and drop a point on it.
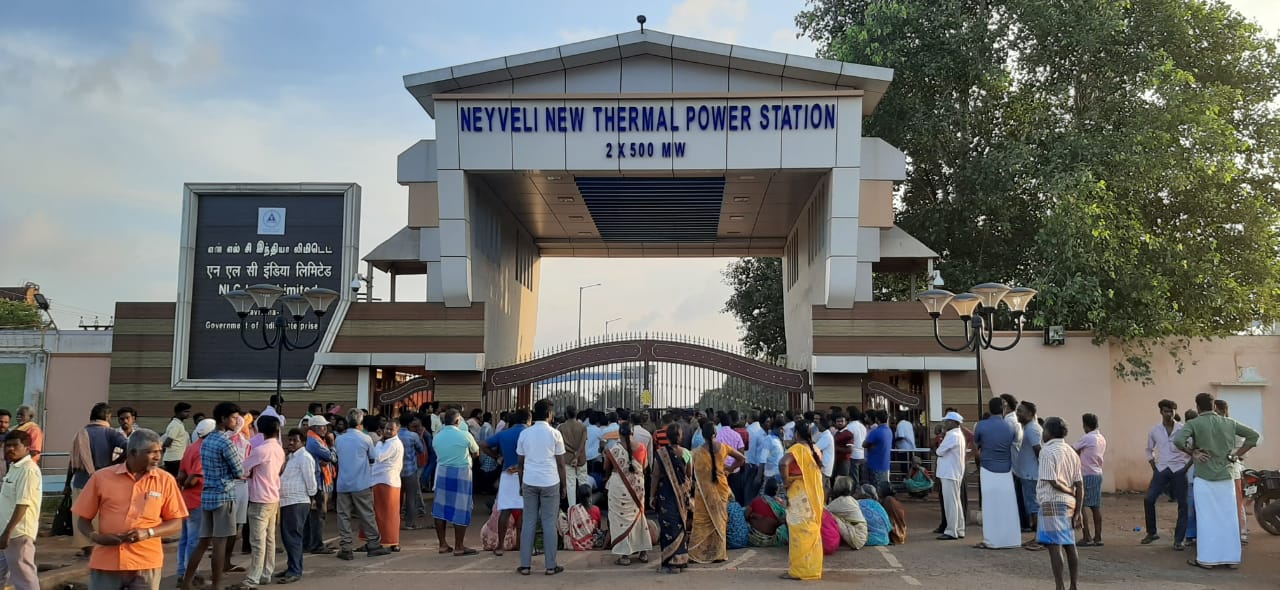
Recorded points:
(349, 256)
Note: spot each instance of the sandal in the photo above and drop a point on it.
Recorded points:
(446, 549)
(555, 570)
(788, 576)
(497, 553)
(524, 571)
(465, 552)
(1197, 563)
(622, 561)
(235, 569)
(643, 557)
(1085, 543)
(1033, 547)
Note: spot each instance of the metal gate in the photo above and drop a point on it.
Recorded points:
(644, 371)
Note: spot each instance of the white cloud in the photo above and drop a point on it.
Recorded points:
(714, 20)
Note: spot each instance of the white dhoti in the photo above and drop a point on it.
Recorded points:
(1217, 526)
(952, 508)
(1000, 526)
(509, 497)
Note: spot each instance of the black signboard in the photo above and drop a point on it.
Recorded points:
(294, 242)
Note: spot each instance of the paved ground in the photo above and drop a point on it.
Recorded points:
(921, 562)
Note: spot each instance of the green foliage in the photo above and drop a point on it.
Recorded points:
(756, 303)
(1121, 157)
(736, 394)
(18, 315)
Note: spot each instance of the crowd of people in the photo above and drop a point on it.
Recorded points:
(682, 489)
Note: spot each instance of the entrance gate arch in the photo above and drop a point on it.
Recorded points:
(644, 371)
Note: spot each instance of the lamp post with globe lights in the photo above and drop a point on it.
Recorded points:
(977, 310)
(267, 299)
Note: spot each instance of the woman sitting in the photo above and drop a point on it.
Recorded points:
(767, 517)
(580, 525)
(919, 481)
(847, 512)
(878, 524)
(897, 514)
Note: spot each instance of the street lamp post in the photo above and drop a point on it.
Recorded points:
(607, 322)
(977, 309)
(580, 290)
(267, 299)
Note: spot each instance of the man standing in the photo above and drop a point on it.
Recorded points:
(275, 409)
(1009, 410)
(858, 457)
(994, 440)
(879, 445)
(264, 465)
(455, 449)
(410, 436)
(826, 445)
(951, 453)
(221, 466)
(27, 423)
(1026, 466)
(1059, 491)
(176, 439)
(1237, 471)
(503, 445)
(320, 447)
(1092, 448)
(757, 450)
(136, 504)
(1211, 439)
(843, 443)
(1168, 473)
(542, 476)
(5, 419)
(297, 488)
(20, 513)
(93, 448)
(191, 481)
(127, 418)
(355, 488)
(574, 433)
(905, 434)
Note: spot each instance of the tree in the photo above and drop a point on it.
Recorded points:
(756, 303)
(18, 315)
(1121, 157)
(740, 395)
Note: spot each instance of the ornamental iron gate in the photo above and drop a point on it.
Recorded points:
(642, 371)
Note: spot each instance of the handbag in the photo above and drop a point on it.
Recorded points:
(62, 522)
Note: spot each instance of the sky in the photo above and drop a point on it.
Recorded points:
(107, 108)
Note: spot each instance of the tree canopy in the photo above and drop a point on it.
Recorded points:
(756, 303)
(1121, 157)
(17, 315)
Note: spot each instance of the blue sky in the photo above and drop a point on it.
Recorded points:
(107, 108)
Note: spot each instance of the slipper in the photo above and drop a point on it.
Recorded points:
(1035, 547)
(235, 569)
(497, 553)
(1085, 543)
(624, 561)
(524, 571)
(465, 552)
(1197, 563)
(788, 577)
(555, 570)
(981, 546)
(1097, 544)
(644, 557)
(446, 549)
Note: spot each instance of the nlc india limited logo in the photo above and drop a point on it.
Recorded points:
(271, 221)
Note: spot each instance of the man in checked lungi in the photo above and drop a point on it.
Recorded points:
(1060, 492)
(455, 449)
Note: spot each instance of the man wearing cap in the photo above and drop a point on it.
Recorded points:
(951, 471)
(190, 480)
(320, 447)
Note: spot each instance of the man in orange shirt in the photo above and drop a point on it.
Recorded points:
(27, 422)
(136, 504)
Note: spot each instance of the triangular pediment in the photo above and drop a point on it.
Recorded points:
(499, 74)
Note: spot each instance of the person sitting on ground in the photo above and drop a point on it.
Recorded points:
(897, 514)
(878, 523)
(579, 526)
(919, 481)
(767, 517)
(847, 512)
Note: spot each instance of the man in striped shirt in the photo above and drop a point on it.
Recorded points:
(297, 486)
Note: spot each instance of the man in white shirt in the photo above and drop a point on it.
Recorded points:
(297, 486)
(904, 436)
(1168, 473)
(858, 461)
(757, 450)
(20, 513)
(951, 453)
(175, 439)
(275, 409)
(542, 475)
(826, 445)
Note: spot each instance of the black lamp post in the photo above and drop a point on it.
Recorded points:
(976, 309)
(267, 299)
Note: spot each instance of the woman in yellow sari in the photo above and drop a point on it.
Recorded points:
(801, 469)
(708, 540)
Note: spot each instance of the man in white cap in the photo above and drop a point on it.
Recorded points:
(191, 481)
(951, 454)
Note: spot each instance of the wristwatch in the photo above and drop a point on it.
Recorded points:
(151, 533)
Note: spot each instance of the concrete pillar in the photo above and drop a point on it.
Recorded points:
(842, 264)
(454, 277)
(364, 387)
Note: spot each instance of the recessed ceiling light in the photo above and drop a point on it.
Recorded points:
(741, 199)
(565, 199)
(576, 218)
(736, 218)
(553, 178)
(746, 177)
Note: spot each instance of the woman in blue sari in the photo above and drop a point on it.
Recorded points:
(670, 494)
(878, 523)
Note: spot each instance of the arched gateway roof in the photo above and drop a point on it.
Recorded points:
(873, 81)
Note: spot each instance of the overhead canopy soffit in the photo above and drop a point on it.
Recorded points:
(870, 79)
